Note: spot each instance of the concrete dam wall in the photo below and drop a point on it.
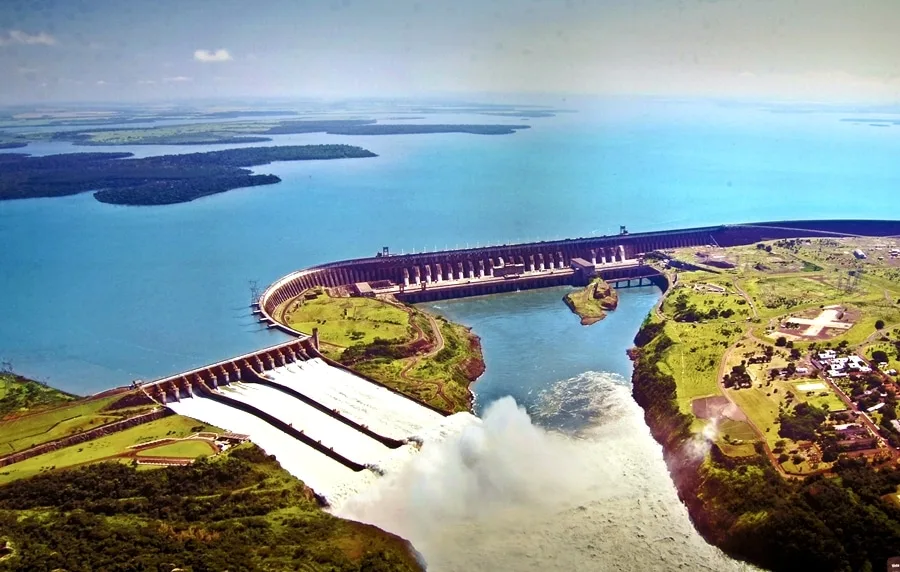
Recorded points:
(473, 271)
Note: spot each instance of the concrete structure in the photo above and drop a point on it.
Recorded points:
(473, 271)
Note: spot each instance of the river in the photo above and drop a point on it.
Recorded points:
(562, 474)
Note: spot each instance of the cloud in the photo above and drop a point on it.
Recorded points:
(146, 82)
(177, 79)
(101, 82)
(220, 55)
(19, 37)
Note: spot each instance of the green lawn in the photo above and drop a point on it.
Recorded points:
(191, 449)
(114, 444)
(694, 358)
(349, 321)
(28, 430)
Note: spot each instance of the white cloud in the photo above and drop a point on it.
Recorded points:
(146, 82)
(220, 55)
(177, 79)
(101, 82)
(20, 37)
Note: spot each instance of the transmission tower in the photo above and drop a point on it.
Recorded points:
(254, 291)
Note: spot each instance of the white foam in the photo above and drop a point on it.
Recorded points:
(376, 407)
(318, 426)
(320, 472)
(508, 495)
(379, 409)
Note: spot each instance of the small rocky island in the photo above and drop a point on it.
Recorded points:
(593, 301)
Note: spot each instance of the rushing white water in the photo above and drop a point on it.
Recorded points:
(508, 495)
(375, 407)
(325, 475)
(380, 409)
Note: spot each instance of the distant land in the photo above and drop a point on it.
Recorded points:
(13, 144)
(256, 132)
(159, 180)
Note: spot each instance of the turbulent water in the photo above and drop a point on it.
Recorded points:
(510, 495)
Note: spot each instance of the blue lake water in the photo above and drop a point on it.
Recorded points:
(97, 295)
(531, 339)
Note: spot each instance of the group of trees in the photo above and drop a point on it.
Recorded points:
(213, 515)
(164, 179)
(685, 312)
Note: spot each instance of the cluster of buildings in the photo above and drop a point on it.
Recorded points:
(836, 366)
(854, 437)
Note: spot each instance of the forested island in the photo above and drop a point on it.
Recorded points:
(593, 301)
(159, 180)
(13, 144)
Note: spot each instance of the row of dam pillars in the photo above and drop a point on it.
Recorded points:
(479, 264)
(210, 378)
(480, 268)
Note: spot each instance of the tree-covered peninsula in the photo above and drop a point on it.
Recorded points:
(160, 180)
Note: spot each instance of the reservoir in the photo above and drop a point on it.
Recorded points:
(96, 295)
(563, 474)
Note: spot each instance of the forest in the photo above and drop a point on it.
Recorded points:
(241, 512)
(119, 179)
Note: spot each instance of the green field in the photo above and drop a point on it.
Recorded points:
(188, 449)
(694, 358)
(32, 429)
(91, 451)
(19, 395)
(347, 322)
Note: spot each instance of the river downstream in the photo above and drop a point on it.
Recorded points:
(563, 474)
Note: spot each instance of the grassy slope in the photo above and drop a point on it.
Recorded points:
(349, 321)
(114, 444)
(19, 395)
(441, 379)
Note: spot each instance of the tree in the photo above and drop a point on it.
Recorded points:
(781, 341)
(879, 324)
(879, 356)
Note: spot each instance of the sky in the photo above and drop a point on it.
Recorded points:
(132, 50)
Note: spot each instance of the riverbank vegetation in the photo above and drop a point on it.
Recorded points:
(241, 511)
(592, 302)
(158, 180)
(421, 355)
(792, 477)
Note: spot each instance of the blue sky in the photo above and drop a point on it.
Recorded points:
(131, 50)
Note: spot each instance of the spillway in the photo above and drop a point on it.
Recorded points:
(324, 475)
(315, 424)
(378, 408)
(375, 408)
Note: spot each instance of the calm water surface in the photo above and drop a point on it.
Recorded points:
(97, 295)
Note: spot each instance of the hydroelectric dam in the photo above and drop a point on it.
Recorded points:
(337, 430)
